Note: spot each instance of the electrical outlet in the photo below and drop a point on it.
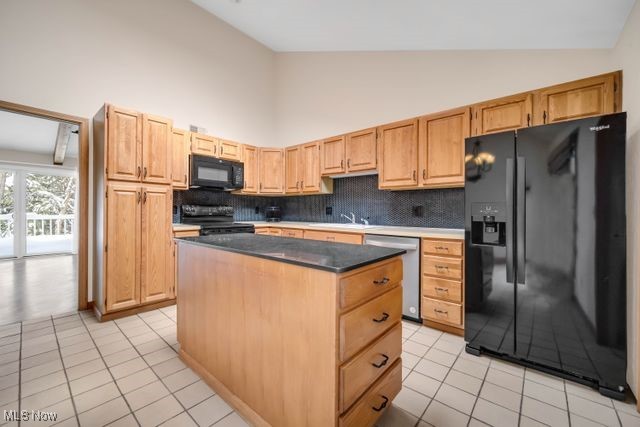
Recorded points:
(257, 211)
(328, 210)
(417, 210)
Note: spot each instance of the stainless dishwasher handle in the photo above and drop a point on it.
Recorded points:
(407, 247)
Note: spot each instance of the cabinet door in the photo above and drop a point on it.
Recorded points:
(156, 149)
(204, 145)
(361, 150)
(442, 148)
(179, 158)
(250, 156)
(124, 151)
(398, 154)
(583, 98)
(229, 150)
(499, 115)
(271, 161)
(122, 251)
(292, 169)
(332, 156)
(156, 252)
(311, 180)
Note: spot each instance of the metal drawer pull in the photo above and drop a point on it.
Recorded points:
(441, 311)
(384, 317)
(442, 267)
(381, 364)
(442, 248)
(382, 405)
(442, 290)
(384, 281)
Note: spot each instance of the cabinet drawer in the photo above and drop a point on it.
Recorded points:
(329, 236)
(364, 285)
(450, 290)
(441, 311)
(288, 232)
(362, 325)
(262, 231)
(376, 400)
(441, 247)
(448, 268)
(186, 233)
(357, 375)
(274, 232)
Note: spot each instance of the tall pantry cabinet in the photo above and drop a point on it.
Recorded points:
(133, 251)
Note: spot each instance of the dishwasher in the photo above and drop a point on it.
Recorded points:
(410, 273)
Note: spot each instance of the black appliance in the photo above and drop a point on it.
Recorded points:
(545, 266)
(273, 214)
(216, 174)
(214, 219)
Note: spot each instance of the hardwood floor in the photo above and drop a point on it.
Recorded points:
(37, 286)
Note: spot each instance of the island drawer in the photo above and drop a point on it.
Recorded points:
(290, 232)
(442, 247)
(186, 233)
(376, 400)
(441, 311)
(369, 282)
(357, 375)
(448, 268)
(450, 290)
(363, 324)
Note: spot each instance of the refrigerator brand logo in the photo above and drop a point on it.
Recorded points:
(599, 128)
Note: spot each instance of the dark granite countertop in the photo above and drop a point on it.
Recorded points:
(334, 257)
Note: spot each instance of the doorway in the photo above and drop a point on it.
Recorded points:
(44, 163)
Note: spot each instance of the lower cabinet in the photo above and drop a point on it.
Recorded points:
(442, 284)
(177, 234)
(331, 236)
(138, 262)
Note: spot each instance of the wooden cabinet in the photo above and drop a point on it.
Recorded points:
(332, 236)
(122, 246)
(442, 284)
(398, 155)
(361, 150)
(292, 169)
(123, 148)
(156, 149)
(503, 114)
(582, 98)
(332, 156)
(177, 234)
(311, 181)
(250, 158)
(179, 159)
(442, 148)
(203, 145)
(293, 233)
(271, 165)
(156, 280)
(229, 150)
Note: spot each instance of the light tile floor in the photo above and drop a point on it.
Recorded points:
(127, 373)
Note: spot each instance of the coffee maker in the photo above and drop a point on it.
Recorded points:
(273, 214)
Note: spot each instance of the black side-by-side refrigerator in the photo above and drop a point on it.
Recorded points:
(545, 256)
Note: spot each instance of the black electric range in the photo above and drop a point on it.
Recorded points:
(213, 219)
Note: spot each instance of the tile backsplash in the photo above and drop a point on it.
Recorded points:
(443, 208)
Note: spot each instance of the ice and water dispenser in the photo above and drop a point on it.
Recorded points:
(488, 223)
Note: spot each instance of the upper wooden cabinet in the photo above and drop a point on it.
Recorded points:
(503, 114)
(204, 145)
(442, 148)
(229, 150)
(582, 98)
(156, 149)
(332, 156)
(398, 155)
(271, 165)
(292, 168)
(123, 147)
(179, 158)
(311, 181)
(360, 150)
(250, 157)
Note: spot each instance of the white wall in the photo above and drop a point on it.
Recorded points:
(165, 57)
(323, 94)
(626, 55)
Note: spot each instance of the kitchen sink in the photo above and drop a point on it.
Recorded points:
(347, 226)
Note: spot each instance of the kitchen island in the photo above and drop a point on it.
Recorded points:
(292, 332)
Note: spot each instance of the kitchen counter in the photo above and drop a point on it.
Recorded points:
(333, 257)
(185, 227)
(384, 230)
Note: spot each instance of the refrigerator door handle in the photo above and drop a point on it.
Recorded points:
(509, 231)
(521, 218)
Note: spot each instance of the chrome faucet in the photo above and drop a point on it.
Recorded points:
(351, 218)
(364, 221)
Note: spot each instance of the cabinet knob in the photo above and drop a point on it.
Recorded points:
(185, 178)
(342, 164)
(382, 318)
(424, 174)
(381, 364)
(145, 172)
(382, 405)
(139, 171)
(348, 163)
(384, 281)
(414, 175)
(221, 149)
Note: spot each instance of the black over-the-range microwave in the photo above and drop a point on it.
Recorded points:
(217, 174)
